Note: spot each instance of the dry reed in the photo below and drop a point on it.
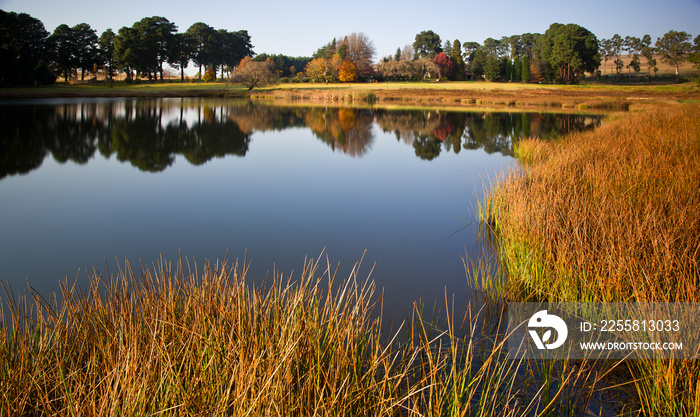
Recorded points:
(167, 342)
(610, 215)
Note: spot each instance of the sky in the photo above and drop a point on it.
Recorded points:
(300, 27)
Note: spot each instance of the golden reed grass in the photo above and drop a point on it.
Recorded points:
(196, 344)
(167, 342)
(610, 215)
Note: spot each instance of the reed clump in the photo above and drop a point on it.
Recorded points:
(169, 342)
(197, 344)
(610, 215)
(607, 215)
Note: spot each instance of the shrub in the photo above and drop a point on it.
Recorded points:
(209, 76)
(43, 75)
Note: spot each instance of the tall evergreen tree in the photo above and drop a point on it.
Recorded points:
(63, 51)
(23, 46)
(106, 44)
(456, 58)
(86, 48)
(525, 72)
(180, 53)
(202, 36)
(569, 50)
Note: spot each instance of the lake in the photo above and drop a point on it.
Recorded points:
(90, 182)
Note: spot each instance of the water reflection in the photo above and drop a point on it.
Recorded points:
(149, 134)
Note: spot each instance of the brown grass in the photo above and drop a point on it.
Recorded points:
(170, 342)
(610, 215)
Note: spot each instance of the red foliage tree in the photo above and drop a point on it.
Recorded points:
(445, 65)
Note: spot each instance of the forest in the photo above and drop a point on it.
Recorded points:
(30, 55)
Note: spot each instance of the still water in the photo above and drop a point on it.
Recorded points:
(85, 183)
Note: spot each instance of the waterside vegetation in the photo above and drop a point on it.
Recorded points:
(169, 341)
(609, 215)
(539, 97)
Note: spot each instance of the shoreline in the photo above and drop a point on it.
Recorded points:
(454, 94)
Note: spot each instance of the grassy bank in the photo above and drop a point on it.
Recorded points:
(610, 215)
(472, 94)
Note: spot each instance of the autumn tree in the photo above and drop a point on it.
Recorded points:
(361, 51)
(333, 67)
(674, 47)
(404, 70)
(254, 74)
(407, 53)
(428, 67)
(445, 66)
(316, 69)
(347, 72)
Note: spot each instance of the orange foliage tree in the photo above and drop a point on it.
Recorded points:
(347, 72)
(316, 69)
(254, 74)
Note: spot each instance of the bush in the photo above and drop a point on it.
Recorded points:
(209, 76)
(43, 75)
(285, 80)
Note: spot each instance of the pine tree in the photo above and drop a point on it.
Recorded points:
(517, 69)
(525, 72)
(456, 57)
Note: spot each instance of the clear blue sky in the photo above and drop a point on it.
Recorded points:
(299, 27)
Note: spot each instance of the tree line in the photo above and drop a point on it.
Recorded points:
(30, 55)
(564, 53)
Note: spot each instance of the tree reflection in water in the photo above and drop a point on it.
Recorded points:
(150, 133)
